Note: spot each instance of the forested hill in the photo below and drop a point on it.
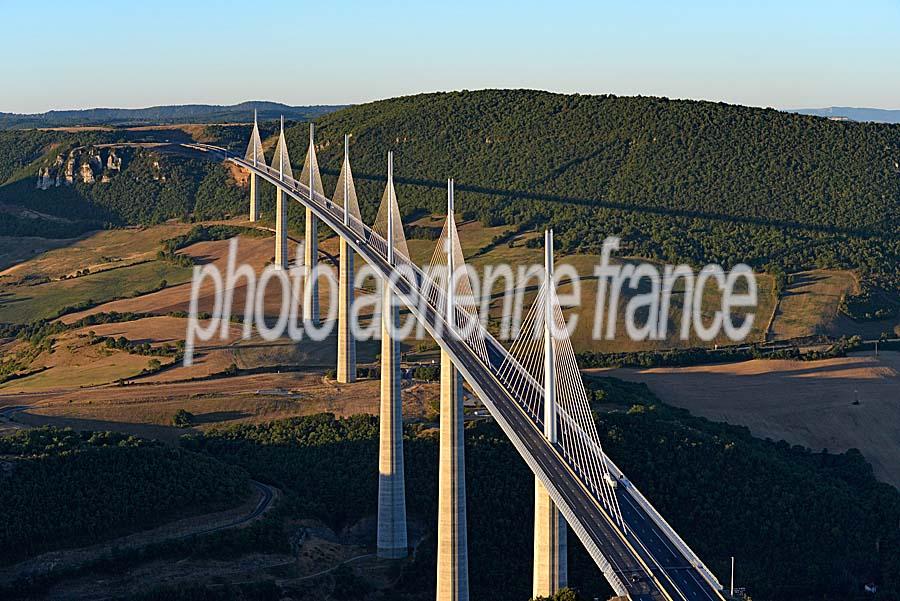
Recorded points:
(679, 180)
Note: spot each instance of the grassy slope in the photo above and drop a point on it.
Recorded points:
(121, 261)
(810, 303)
(26, 304)
(101, 250)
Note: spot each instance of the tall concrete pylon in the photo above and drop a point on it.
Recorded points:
(282, 162)
(392, 543)
(550, 545)
(345, 196)
(313, 180)
(255, 156)
(452, 551)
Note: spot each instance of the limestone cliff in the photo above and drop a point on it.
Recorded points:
(87, 165)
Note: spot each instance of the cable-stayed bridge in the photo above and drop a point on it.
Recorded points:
(533, 389)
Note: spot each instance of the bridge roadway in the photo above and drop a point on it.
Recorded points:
(646, 564)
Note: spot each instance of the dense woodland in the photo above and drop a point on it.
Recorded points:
(137, 195)
(802, 524)
(682, 181)
(69, 489)
(152, 187)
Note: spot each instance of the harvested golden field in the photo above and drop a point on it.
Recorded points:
(75, 363)
(16, 251)
(806, 403)
(155, 330)
(102, 250)
(148, 408)
(161, 330)
(254, 251)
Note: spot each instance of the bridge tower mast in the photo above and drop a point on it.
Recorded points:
(453, 560)
(281, 251)
(346, 344)
(311, 235)
(254, 189)
(392, 542)
(550, 561)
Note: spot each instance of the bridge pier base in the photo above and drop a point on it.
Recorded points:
(392, 543)
(550, 548)
(453, 556)
(311, 258)
(254, 198)
(346, 344)
(281, 251)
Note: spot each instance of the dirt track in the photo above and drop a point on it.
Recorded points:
(240, 516)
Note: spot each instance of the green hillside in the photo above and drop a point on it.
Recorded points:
(73, 489)
(678, 180)
(157, 180)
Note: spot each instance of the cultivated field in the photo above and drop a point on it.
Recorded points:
(254, 251)
(74, 363)
(16, 250)
(147, 409)
(101, 250)
(77, 384)
(805, 403)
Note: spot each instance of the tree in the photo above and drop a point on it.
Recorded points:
(183, 419)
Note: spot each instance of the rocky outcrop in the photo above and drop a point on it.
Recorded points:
(87, 173)
(94, 160)
(113, 162)
(157, 172)
(44, 181)
(88, 165)
(70, 169)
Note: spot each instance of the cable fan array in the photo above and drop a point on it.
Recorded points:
(523, 371)
(449, 265)
(311, 166)
(281, 162)
(255, 154)
(345, 202)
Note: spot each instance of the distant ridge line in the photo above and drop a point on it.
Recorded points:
(165, 114)
(852, 113)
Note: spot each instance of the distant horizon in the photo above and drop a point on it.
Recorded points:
(150, 105)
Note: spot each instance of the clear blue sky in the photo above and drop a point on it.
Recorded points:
(130, 54)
